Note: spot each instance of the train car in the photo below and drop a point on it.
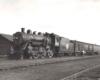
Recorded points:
(96, 49)
(31, 45)
(81, 48)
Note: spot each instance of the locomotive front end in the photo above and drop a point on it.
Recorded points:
(20, 37)
(15, 49)
(17, 38)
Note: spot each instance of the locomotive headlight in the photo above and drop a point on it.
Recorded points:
(15, 37)
(18, 38)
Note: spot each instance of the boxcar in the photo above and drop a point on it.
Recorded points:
(96, 49)
(82, 47)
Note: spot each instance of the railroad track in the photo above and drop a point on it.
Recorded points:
(91, 74)
(16, 64)
(76, 75)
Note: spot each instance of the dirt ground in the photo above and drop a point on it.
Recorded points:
(49, 72)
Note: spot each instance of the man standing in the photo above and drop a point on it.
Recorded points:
(30, 49)
(84, 53)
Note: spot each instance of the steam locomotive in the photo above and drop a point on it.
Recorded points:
(31, 45)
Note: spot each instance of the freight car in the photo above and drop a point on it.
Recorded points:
(32, 45)
(81, 48)
(96, 49)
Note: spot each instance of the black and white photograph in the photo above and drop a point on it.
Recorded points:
(49, 39)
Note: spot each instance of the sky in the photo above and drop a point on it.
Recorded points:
(73, 19)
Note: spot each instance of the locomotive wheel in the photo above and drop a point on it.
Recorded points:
(70, 54)
(60, 54)
(31, 57)
(76, 54)
(42, 52)
(9, 56)
(36, 55)
(21, 57)
(43, 55)
(50, 54)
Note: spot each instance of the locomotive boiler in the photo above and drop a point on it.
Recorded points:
(30, 45)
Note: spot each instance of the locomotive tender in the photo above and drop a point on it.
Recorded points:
(31, 45)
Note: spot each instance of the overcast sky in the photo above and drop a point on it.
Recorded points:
(73, 19)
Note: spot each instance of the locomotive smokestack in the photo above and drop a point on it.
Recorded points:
(23, 30)
(34, 32)
(29, 31)
(39, 33)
